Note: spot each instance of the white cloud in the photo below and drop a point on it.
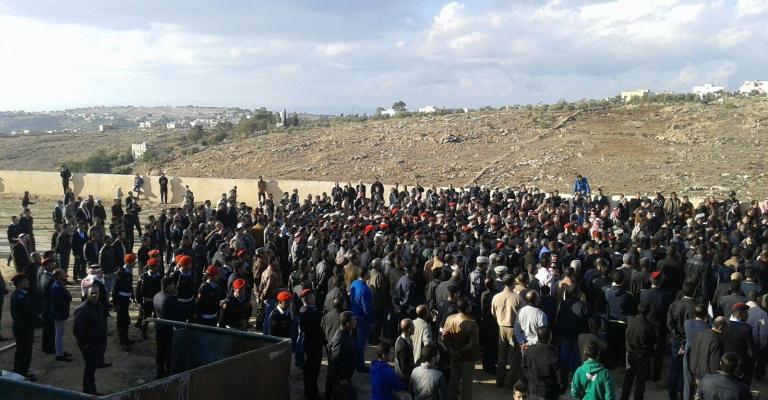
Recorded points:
(335, 49)
(457, 54)
(748, 8)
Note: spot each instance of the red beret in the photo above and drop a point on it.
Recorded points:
(240, 252)
(130, 257)
(368, 229)
(451, 204)
(239, 283)
(152, 262)
(212, 270)
(284, 296)
(153, 253)
(305, 292)
(394, 210)
(184, 260)
(467, 229)
(567, 226)
(424, 214)
(47, 261)
(516, 231)
(499, 245)
(656, 275)
(384, 226)
(739, 307)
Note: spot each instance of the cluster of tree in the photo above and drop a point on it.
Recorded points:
(103, 162)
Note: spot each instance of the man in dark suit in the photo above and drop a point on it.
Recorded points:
(706, 350)
(404, 362)
(738, 340)
(313, 341)
(166, 306)
(724, 384)
(24, 321)
(90, 329)
(641, 341)
(342, 360)
(541, 365)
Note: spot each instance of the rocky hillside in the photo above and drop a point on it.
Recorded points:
(693, 148)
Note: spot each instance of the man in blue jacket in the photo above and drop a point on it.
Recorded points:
(361, 301)
(385, 382)
(581, 185)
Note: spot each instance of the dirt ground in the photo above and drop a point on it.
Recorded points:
(138, 366)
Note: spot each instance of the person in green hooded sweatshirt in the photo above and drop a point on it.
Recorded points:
(592, 381)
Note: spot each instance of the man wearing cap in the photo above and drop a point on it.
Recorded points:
(122, 295)
(235, 310)
(313, 338)
(146, 289)
(738, 339)
(281, 318)
(477, 284)
(24, 321)
(209, 296)
(186, 287)
(45, 304)
(361, 302)
(658, 302)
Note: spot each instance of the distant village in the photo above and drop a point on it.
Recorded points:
(98, 120)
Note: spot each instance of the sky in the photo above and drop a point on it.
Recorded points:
(348, 56)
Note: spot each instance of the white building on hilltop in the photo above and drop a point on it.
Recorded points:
(390, 111)
(749, 87)
(707, 89)
(138, 150)
(628, 95)
(427, 109)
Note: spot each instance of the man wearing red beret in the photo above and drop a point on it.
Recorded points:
(281, 319)
(186, 287)
(235, 310)
(209, 296)
(146, 289)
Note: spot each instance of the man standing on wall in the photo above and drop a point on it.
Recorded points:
(163, 188)
(65, 175)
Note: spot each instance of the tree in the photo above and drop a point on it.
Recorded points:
(295, 120)
(399, 105)
(379, 110)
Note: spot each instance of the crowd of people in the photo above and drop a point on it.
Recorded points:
(552, 295)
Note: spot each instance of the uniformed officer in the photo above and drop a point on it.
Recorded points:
(122, 295)
(186, 287)
(156, 254)
(209, 296)
(235, 310)
(281, 319)
(146, 289)
(24, 320)
(45, 304)
(90, 329)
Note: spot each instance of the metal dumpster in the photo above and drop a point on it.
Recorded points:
(206, 363)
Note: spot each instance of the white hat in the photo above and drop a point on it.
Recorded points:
(482, 260)
(500, 270)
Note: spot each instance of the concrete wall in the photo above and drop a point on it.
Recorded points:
(104, 186)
